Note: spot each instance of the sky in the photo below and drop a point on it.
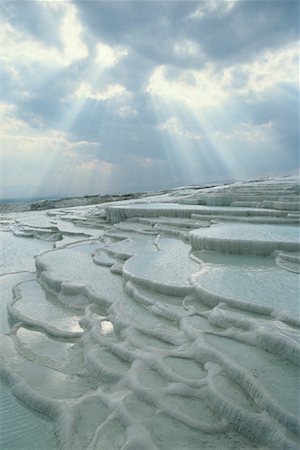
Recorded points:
(122, 96)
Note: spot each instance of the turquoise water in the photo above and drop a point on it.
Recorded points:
(21, 429)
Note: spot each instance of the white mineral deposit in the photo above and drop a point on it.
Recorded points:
(162, 322)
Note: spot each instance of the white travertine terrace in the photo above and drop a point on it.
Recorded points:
(166, 322)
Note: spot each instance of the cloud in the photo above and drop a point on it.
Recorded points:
(174, 126)
(103, 166)
(144, 161)
(127, 111)
(212, 86)
(164, 92)
(37, 155)
(192, 88)
(233, 32)
(190, 48)
(212, 6)
(9, 121)
(111, 91)
(34, 140)
(227, 30)
(267, 71)
(108, 56)
(20, 48)
(248, 133)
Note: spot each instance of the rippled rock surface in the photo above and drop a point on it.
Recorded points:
(164, 322)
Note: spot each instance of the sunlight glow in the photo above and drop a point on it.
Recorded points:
(91, 103)
(74, 48)
(109, 56)
(209, 6)
(193, 88)
(106, 326)
(187, 48)
(47, 155)
(208, 87)
(220, 145)
(268, 70)
(97, 164)
(176, 127)
(112, 90)
(21, 48)
(248, 132)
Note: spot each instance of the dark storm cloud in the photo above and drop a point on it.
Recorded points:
(151, 28)
(247, 29)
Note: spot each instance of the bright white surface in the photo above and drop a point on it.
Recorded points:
(137, 336)
(242, 238)
(259, 279)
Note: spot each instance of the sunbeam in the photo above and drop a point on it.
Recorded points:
(107, 100)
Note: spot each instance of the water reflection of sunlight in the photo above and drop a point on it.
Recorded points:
(74, 325)
(106, 327)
